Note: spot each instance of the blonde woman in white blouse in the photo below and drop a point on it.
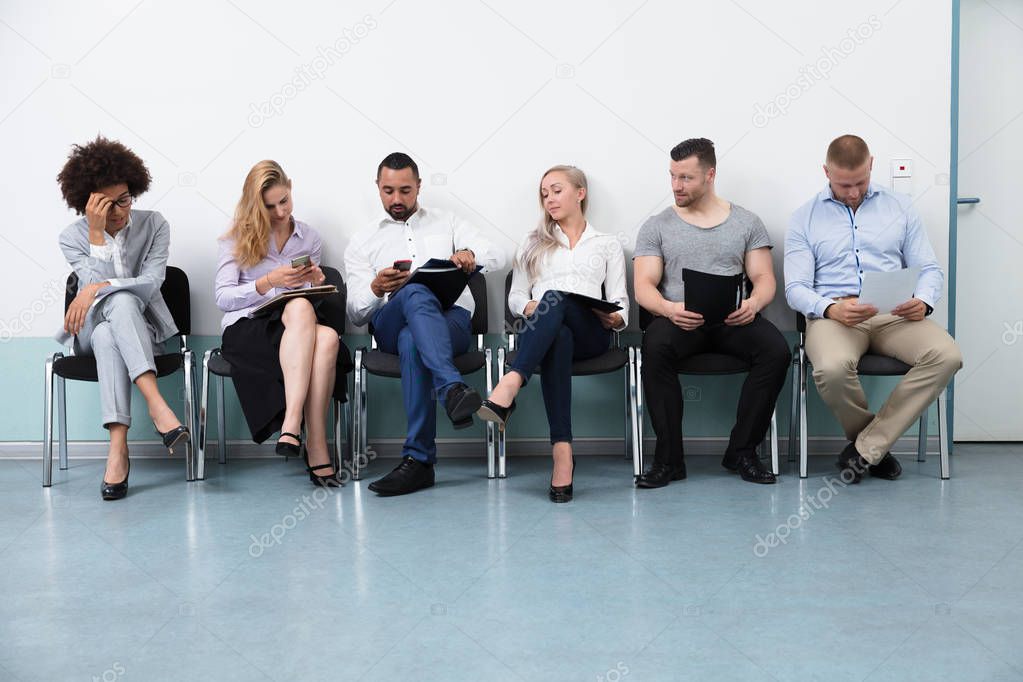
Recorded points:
(564, 254)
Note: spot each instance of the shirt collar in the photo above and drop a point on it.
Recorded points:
(826, 194)
(386, 219)
(297, 231)
(588, 232)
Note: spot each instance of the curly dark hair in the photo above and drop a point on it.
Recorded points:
(100, 163)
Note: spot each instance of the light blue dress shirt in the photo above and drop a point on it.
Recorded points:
(828, 247)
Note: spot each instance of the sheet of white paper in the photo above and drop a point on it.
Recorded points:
(888, 290)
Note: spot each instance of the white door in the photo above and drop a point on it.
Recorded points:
(989, 297)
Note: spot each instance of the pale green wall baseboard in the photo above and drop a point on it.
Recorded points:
(598, 402)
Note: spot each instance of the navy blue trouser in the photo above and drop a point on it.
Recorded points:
(412, 326)
(559, 331)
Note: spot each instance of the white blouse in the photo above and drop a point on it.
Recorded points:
(597, 260)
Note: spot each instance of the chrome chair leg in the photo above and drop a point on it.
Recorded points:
(637, 409)
(491, 429)
(502, 440)
(803, 455)
(774, 442)
(221, 423)
(204, 404)
(61, 422)
(794, 414)
(921, 441)
(189, 367)
(48, 421)
(943, 452)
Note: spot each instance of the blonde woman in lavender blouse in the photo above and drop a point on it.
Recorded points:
(284, 365)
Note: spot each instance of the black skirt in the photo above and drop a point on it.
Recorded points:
(252, 346)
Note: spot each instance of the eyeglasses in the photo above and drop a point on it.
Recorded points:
(123, 202)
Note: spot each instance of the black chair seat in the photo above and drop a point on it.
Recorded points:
(713, 363)
(386, 365)
(219, 366)
(83, 367)
(881, 365)
(611, 361)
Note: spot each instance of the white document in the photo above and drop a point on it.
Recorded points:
(888, 290)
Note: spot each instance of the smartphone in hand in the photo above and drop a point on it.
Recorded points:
(403, 265)
(301, 261)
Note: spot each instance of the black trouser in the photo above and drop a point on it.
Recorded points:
(666, 345)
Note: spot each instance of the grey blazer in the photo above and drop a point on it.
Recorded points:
(145, 258)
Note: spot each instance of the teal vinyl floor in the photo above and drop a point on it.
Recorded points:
(249, 575)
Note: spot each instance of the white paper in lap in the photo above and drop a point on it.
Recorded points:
(888, 290)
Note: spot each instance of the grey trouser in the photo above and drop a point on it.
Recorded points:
(116, 333)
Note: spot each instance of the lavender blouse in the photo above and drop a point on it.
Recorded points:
(235, 288)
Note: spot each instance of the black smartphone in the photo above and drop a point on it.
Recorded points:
(403, 265)
(301, 261)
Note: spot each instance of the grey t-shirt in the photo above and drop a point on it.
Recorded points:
(719, 250)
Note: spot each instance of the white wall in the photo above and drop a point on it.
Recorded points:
(484, 95)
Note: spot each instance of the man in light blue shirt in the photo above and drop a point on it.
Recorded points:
(854, 226)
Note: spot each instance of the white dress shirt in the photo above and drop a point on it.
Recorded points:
(428, 233)
(596, 261)
(112, 251)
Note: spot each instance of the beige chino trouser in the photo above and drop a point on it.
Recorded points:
(835, 350)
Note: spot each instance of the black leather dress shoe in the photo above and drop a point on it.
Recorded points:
(461, 403)
(115, 491)
(409, 476)
(888, 468)
(851, 461)
(750, 469)
(660, 475)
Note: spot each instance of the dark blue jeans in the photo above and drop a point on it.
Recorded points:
(559, 331)
(412, 326)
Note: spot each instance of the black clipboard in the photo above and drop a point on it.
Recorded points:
(446, 280)
(713, 296)
(279, 301)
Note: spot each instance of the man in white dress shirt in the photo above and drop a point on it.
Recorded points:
(411, 323)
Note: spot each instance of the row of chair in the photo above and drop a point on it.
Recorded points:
(374, 361)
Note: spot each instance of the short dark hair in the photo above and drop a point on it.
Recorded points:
(848, 152)
(700, 147)
(398, 161)
(97, 164)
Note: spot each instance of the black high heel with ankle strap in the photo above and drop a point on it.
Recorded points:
(562, 493)
(289, 449)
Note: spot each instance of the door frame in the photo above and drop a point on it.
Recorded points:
(953, 211)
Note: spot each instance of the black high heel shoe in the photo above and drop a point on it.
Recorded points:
(330, 481)
(115, 491)
(492, 412)
(289, 449)
(173, 437)
(562, 493)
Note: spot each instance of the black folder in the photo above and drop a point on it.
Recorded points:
(590, 302)
(446, 280)
(713, 296)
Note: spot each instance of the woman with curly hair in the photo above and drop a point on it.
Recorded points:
(284, 365)
(120, 257)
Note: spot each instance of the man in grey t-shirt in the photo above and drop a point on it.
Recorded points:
(703, 232)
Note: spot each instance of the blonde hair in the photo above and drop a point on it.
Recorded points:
(251, 227)
(542, 240)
